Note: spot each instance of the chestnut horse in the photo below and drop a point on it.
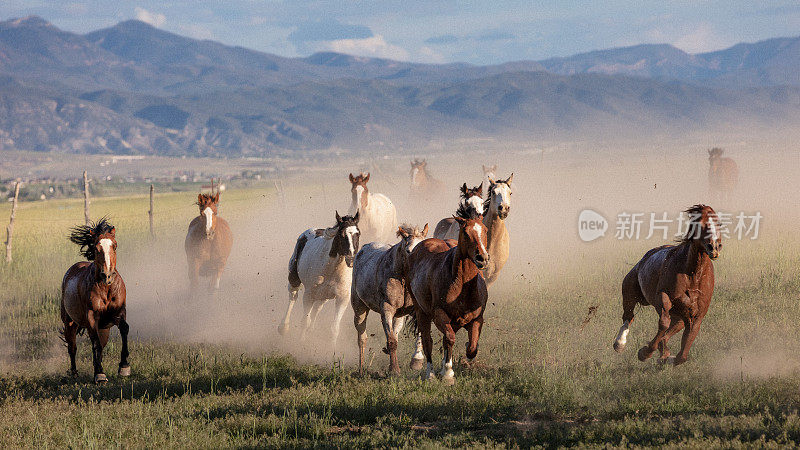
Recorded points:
(447, 288)
(471, 203)
(379, 285)
(678, 281)
(723, 174)
(93, 296)
(497, 207)
(208, 243)
(378, 215)
(423, 186)
(322, 263)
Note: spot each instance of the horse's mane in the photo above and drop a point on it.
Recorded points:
(695, 213)
(85, 236)
(206, 198)
(466, 213)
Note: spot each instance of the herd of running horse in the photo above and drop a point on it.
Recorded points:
(442, 280)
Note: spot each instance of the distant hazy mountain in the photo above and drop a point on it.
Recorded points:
(133, 88)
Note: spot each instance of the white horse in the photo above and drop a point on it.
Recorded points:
(378, 214)
(498, 244)
(379, 285)
(488, 176)
(322, 262)
(471, 204)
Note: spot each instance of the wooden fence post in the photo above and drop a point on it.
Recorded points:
(150, 213)
(10, 227)
(86, 198)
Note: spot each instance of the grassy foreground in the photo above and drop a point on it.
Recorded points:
(545, 374)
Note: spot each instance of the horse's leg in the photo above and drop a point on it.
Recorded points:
(360, 312)
(631, 295)
(70, 333)
(215, 279)
(674, 327)
(124, 365)
(664, 321)
(194, 273)
(311, 306)
(424, 324)
(293, 291)
(689, 334)
(98, 337)
(389, 322)
(418, 358)
(341, 305)
(442, 321)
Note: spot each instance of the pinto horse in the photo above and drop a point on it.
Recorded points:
(447, 287)
(93, 296)
(379, 285)
(678, 281)
(423, 186)
(378, 215)
(208, 242)
(497, 207)
(322, 262)
(723, 174)
(471, 203)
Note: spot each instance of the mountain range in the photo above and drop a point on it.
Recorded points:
(133, 88)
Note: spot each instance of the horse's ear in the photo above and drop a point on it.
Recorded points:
(357, 216)
(494, 168)
(113, 231)
(338, 217)
(511, 177)
(216, 197)
(425, 230)
(352, 178)
(401, 232)
(366, 178)
(464, 189)
(479, 190)
(199, 198)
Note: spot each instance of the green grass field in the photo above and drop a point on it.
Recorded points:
(545, 375)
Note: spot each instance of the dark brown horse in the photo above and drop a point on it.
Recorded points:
(208, 243)
(93, 296)
(447, 287)
(678, 281)
(471, 203)
(723, 174)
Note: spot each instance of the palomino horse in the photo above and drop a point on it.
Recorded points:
(208, 243)
(423, 186)
(378, 216)
(678, 280)
(379, 285)
(93, 296)
(723, 174)
(497, 207)
(447, 288)
(488, 176)
(322, 262)
(471, 203)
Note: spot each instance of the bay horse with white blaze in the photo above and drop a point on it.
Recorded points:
(93, 296)
(322, 263)
(678, 281)
(723, 174)
(447, 287)
(497, 207)
(471, 203)
(208, 243)
(378, 215)
(379, 276)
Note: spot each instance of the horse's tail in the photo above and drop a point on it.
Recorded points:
(294, 277)
(412, 327)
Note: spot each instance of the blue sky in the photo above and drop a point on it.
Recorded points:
(479, 32)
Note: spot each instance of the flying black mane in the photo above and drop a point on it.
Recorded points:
(695, 214)
(465, 212)
(86, 235)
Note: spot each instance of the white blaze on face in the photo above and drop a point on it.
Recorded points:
(622, 336)
(106, 244)
(350, 232)
(476, 202)
(414, 173)
(712, 228)
(209, 218)
(359, 194)
(478, 230)
(502, 194)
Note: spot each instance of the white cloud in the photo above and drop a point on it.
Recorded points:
(375, 46)
(154, 19)
(701, 39)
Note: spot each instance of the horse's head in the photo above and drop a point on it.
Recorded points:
(472, 199)
(345, 242)
(208, 204)
(98, 244)
(715, 154)
(704, 230)
(359, 191)
(417, 168)
(472, 240)
(410, 236)
(499, 197)
(488, 171)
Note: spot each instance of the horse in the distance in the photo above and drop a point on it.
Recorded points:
(448, 289)
(93, 296)
(678, 281)
(488, 176)
(322, 263)
(496, 208)
(723, 174)
(471, 202)
(208, 243)
(379, 285)
(378, 215)
(424, 187)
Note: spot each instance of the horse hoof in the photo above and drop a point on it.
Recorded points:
(100, 378)
(125, 371)
(417, 364)
(618, 347)
(676, 361)
(283, 329)
(644, 353)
